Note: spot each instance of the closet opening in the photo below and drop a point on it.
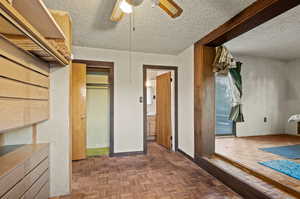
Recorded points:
(97, 109)
(92, 109)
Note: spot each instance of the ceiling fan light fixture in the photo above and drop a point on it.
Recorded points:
(134, 2)
(125, 7)
(155, 3)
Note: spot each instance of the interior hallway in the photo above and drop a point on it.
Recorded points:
(159, 175)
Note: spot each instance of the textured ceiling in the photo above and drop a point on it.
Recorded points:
(155, 31)
(278, 38)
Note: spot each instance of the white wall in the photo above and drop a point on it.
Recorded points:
(97, 108)
(18, 136)
(293, 95)
(186, 101)
(129, 87)
(264, 95)
(56, 131)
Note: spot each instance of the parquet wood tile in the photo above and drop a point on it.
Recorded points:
(158, 175)
(259, 184)
(245, 150)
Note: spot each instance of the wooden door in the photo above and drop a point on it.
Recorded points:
(163, 110)
(78, 111)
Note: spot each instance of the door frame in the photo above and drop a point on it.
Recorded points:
(159, 67)
(109, 66)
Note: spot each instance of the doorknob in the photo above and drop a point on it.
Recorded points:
(83, 117)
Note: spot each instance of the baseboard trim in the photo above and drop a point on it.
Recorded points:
(237, 185)
(132, 153)
(185, 155)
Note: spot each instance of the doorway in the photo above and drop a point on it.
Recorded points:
(160, 112)
(97, 111)
(92, 109)
(224, 126)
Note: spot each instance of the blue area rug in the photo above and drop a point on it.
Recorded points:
(284, 166)
(291, 152)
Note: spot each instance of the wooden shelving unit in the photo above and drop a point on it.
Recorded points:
(34, 42)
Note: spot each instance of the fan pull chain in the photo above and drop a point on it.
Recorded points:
(130, 49)
(132, 29)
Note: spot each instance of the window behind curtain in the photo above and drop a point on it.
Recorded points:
(223, 107)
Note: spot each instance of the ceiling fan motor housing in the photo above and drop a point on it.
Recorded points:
(135, 2)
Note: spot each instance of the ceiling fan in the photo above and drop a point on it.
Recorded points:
(123, 7)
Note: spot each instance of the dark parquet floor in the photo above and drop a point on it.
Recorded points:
(158, 175)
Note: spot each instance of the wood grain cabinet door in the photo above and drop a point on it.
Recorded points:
(78, 111)
(163, 110)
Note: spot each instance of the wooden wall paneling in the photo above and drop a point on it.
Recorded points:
(254, 15)
(9, 51)
(24, 88)
(70, 125)
(14, 89)
(64, 21)
(44, 192)
(78, 111)
(37, 111)
(12, 117)
(19, 21)
(23, 172)
(34, 134)
(16, 113)
(204, 101)
(18, 72)
(39, 16)
(2, 140)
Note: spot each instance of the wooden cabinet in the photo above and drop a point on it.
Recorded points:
(36, 31)
(24, 173)
(151, 135)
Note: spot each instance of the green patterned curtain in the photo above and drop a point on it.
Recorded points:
(225, 64)
(236, 113)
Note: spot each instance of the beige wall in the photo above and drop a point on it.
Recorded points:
(264, 95)
(129, 87)
(128, 117)
(97, 117)
(56, 131)
(293, 95)
(186, 101)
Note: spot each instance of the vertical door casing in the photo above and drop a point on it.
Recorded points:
(78, 111)
(204, 101)
(163, 110)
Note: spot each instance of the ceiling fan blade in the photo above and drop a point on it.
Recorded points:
(170, 7)
(117, 13)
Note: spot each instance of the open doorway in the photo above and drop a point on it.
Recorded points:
(160, 106)
(266, 143)
(92, 109)
(224, 126)
(97, 110)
